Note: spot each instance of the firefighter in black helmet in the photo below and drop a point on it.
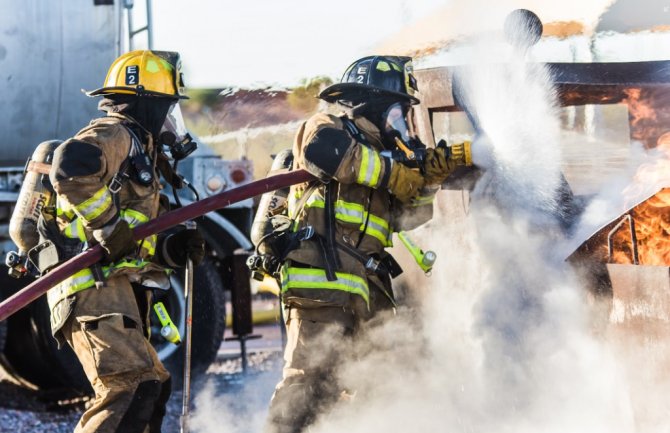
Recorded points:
(338, 276)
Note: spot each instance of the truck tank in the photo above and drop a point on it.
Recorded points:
(42, 72)
(49, 51)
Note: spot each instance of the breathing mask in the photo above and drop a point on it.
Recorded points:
(175, 136)
(398, 131)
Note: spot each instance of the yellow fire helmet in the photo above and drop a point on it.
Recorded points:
(144, 73)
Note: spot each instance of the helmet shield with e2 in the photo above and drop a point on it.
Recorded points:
(375, 77)
(144, 73)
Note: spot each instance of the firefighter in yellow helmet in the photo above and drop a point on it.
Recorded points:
(107, 181)
(336, 275)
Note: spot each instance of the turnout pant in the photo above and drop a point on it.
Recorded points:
(316, 341)
(131, 386)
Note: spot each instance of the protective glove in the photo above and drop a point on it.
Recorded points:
(436, 166)
(116, 239)
(404, 182)
(186, 243)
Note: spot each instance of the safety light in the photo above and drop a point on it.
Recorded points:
(238, 175)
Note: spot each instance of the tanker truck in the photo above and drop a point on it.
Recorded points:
(49, 50)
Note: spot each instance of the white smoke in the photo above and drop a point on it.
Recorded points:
(240, 411)
(504, 338)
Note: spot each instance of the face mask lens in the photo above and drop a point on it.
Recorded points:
(396, 121)
(174, 123)
(175, 135)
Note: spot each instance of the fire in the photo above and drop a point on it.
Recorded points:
(649, 110)
(651, 218)
(652, 228)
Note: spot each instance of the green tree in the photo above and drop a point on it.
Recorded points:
(304, 97)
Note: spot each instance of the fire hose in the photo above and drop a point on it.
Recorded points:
(91, 256)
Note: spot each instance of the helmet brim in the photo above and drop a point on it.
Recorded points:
(104, 91)
(357, 93)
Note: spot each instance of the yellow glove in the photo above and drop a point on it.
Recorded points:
(404, 182)
(441, 161)
(436, 166)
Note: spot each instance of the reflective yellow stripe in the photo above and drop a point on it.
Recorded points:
(306, 278)
(75, 230)
(96, 205)
(148, 244)
(378, 228)
(83, 280)
(368, 172)
(375, 173)
(422, 201)
(354, 213)
(135, 218)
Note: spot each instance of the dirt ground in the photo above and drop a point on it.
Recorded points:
(26, 411)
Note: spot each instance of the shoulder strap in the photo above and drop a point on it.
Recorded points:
(313, 185)
(121, 175)
(352, 129)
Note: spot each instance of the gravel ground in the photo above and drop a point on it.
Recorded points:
(25, 411)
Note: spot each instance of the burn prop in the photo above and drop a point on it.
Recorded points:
(91, 256)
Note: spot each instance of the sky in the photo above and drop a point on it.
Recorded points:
(256, 42)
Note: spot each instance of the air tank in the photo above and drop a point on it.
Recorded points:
(272, 202)
(35, 194)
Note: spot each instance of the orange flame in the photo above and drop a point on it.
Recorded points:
(649, 112)
(652, 216)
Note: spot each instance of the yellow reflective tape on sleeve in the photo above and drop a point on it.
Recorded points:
(370, 167)
(309, 278)
(95, 206)
(133, 217)
(363, 169)
(422, 201)
(375, 173)
(63, 210)
(75, 230)
(148, 245)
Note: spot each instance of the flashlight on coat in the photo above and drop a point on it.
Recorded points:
(425, 260)
(168, 330)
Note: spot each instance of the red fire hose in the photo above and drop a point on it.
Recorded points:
(91, 256)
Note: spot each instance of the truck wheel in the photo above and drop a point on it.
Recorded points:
(209, 321)
(31, 357)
